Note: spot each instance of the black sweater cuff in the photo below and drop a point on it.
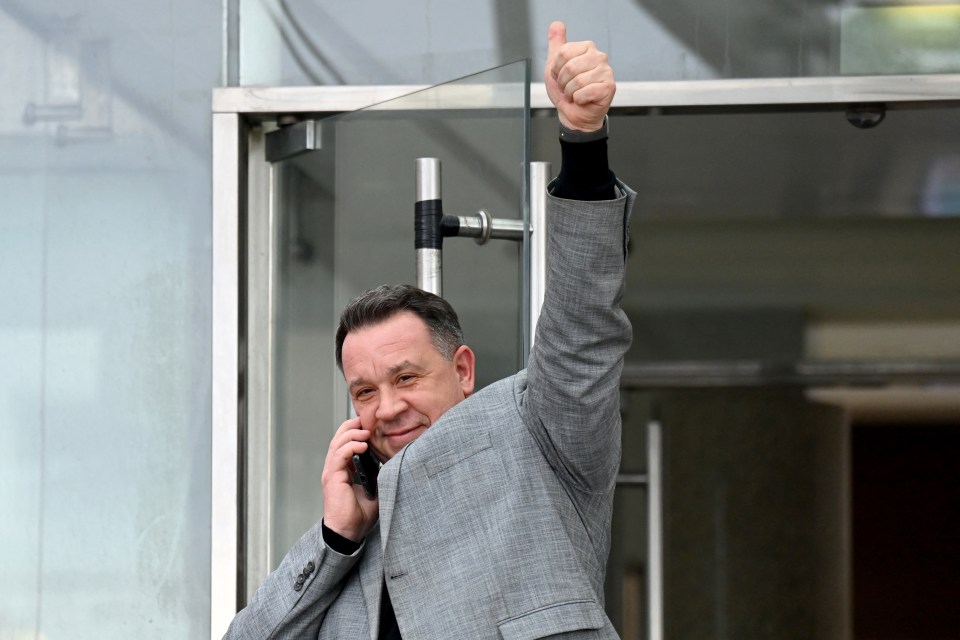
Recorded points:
(585, 172)
(335, 541)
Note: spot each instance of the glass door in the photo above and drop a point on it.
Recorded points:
(339, 220)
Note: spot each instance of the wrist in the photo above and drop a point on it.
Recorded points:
(346, 528)
(340, 543)
(568, 134)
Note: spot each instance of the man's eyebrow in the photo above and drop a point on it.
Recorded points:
(356, 382)
(406, 365)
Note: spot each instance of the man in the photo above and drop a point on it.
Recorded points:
(493, 515)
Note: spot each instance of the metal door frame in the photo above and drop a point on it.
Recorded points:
(241, 184)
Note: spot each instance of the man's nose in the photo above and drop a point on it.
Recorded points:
(390, 406)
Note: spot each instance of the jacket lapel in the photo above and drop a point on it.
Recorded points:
(387, 490)
(371, 569)
(371, 581)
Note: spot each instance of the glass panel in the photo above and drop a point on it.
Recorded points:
(900, 38)
(303, 42)
(347, 224)
(105, 318)
(789, 236)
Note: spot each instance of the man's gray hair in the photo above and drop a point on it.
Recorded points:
(382, 303)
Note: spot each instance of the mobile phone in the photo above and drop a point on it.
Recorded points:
(366, 469)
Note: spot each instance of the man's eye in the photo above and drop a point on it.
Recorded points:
(406, 377)
(363, 393)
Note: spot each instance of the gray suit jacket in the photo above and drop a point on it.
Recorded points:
(495, 523)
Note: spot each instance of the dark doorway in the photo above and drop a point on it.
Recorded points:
(906, 531)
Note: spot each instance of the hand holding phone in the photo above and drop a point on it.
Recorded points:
(347, 510)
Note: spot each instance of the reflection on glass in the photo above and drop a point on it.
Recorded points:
(303, 43)
(900, 38)
(347, 224)
(105, 332)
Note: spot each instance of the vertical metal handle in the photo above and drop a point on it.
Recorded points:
(655, 528)
(431, 226)
(428, 213)
(539, 178)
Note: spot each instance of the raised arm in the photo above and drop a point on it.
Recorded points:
(572, 400)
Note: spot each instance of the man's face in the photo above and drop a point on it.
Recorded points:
(399, 382)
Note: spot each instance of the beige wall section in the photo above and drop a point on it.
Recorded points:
(865, 340)
(895, 404)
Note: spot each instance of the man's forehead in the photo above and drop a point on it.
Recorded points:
(391, 344)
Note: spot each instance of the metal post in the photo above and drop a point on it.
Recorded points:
(655, 529)
(429, 211)
(539, 178)
(229, 162)
(262, 260)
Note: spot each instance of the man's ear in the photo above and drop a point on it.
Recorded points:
(465, 362)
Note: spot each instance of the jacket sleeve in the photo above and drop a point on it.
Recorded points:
(572, 401)
(293, 600)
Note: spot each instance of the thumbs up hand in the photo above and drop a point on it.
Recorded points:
(579, 80)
